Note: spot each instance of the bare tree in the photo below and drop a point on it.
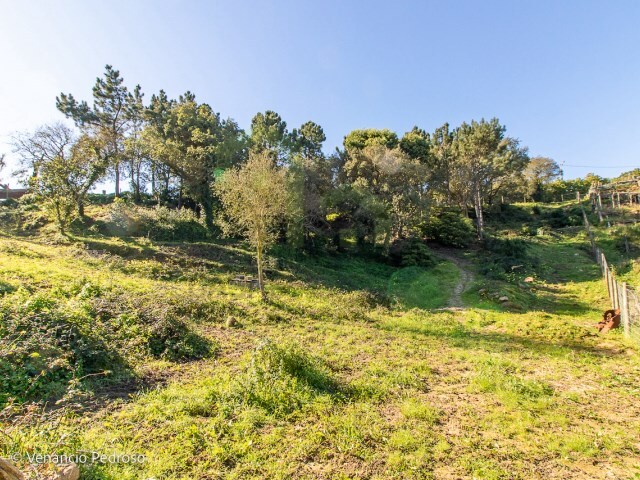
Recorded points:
(60, 168)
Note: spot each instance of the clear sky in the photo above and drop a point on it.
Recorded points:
(564, 76)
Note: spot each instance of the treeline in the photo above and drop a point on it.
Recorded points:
(378, 187)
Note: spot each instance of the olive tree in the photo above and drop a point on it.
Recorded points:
(254, 198)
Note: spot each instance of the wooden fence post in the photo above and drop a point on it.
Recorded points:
(625, 310)
(599, 208)
(612, 296)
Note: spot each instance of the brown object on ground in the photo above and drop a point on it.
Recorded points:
(9, 472)
(68, 472)
(245, 281)
(610, 319)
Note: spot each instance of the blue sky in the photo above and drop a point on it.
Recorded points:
(564, 76)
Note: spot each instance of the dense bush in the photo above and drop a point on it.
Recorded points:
(410, 252)
(504, 255)
(21, 216)
(52, 337)
(529, 217)
(449, 228)
(159, 223)
(45, 343)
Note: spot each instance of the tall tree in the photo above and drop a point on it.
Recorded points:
(134, 148)
(310, 178)
(359, 139)
(443, 155)
(254, 197)
(485, 158)
(416, 143)
(378, 164)
(308, 140)
(195, 143)
(156, 116)
(539, 172)
(106, 119)
(269, 134)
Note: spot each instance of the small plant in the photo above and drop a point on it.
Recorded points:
(171, 339)
(282, 379)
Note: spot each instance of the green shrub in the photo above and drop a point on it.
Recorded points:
(6, 288)
(558, 218)
(158, 223)
(410, 252)
(144, 327)
(504, 255)
(23, 215)
(44, 345)
(449, 228)
(51, 338)
(281, 380)
(171, 338)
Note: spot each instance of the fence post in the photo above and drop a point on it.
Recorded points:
(599, 207)
(625, 309)
(607, 275)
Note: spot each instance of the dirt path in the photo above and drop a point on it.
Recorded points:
(466, 277)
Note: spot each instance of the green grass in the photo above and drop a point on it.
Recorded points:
(416, 287)
(347, 371)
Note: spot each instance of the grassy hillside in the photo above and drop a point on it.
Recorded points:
(351, 370)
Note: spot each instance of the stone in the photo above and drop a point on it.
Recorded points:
(504, 298)
(528, 280)
(9, 472)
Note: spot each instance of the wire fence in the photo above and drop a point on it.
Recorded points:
(623, 297)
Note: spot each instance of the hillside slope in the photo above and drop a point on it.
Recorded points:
(346, 372)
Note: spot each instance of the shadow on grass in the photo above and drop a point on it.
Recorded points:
(458, 335)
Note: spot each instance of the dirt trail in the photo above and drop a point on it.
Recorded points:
(466, 276)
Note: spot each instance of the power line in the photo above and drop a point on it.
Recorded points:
(598, 166)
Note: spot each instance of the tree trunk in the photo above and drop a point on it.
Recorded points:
(337, 241)
(135, 180)
(80, 207)
(260, 273)
(208, 215)
(132, 177)
(117, 167)
(477, 203)
(59, 218)
(153, 179)
(387, 240)
(138, 193)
